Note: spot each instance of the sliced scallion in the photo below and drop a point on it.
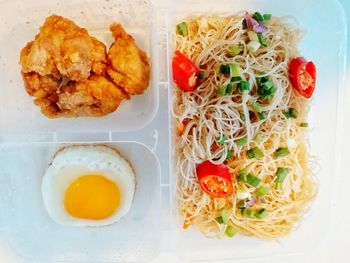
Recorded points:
(242, 116)
(281, 174)
(267, 17)
(262, 40)
(262, 115)
(221, 90)
(281, 152)
(291, 113)
(201, 75)
(221, 140)
(242, 141)
(235, 70)
(261, 214)
(248, 212)
(262, 190)
(229, 88)
(242, 176)
(253, 46)
(258, 17)
(243, 85)
(230, 231)
(253, 36)
(224, 69)
(182, 29)
(235, 50)
(235, 79)
(219, 220)
(256, 107)
(255, 153)
(229, 154)
(224, 216)
(253, 180)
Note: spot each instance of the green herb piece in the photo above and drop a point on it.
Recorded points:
(291, 113)
(235, 79)
(221, 140)
(224, 69)
(242, 176)
(242, 141)
(253, 36)
(267, 17)
(281, 174)
(230, 231)
(262, 115)
(281, 152)
(229, 154)
(304, 124)
(261, 214)
(256, 107)
(248, 212)
(243, 85)
(235, 70)
(219, 220)
(224, 216)
(255, 153)
(262, 40)
(258, 17)
(235, 50)
(242, 116)
(229, 88)
(253, 180)
(266, 88)
(201, 75)
(253, 46)
(262, 190)
(222, 90)
(182, 29)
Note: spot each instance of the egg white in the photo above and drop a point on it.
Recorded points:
(72, 162)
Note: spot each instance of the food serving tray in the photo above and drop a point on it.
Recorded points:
(141, 129)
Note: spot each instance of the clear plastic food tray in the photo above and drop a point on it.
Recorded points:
(141, 130)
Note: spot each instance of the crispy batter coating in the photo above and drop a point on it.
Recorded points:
(63, 49)
(129, 66)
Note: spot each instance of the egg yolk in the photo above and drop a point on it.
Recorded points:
(92, 197)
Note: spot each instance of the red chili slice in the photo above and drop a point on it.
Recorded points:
(214, 179)
(185, 72)
(302, 75)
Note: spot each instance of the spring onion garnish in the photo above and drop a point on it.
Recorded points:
(281, 152)
(182, 29)
(261, 214)
(253, 36)
(235, 79)
(235, 70)
(243, 85)
(242, 176)
(258, 17)
(262, 116)
(224, 216)
(253, 46)
(267, 17)
(230, 231)
(242, 116)
(255, 153)
(224, 69)
(235, 50)
(253, 180)
(219, 220)
(221, 90)
(262, 40)
(281, 175)
(221, 140)
(256, 107)
(266, 88)
(201, 75)
(242, 141)
(229, 154)
(291, 113)
(304, 124)
(262, 190)
(248, 212)
(229, 88)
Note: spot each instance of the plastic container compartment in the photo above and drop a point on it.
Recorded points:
(141, 131)
(323, 43)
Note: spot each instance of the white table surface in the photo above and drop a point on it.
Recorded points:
(338, 248)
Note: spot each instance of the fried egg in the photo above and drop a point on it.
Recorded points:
(88, 185)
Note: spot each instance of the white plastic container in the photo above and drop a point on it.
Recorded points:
(141, 130)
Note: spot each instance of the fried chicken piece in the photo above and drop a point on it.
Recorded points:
(97, 96)
(40, 86)
(129, 66)
(63, 49)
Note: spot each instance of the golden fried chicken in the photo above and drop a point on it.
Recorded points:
(63, 49)
(128, 66)
(97, 96)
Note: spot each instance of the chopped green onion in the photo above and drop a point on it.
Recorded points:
(248, 212)
(242, 141)
(256, 107)
(253, 180)
(229, 154)
(229, 88)
(281, 174)
(221, 140)
(201, 75)
(261, 214)
(262, 40)
(235, 70)
(281, 152)
(258, 17)
(304, 124)
(261, 191)
(224, 216)
(255, 153)
(221, 90)
(182, 29)
(243, 85)
(241, 195)
(235, 50)
(242, 176)
(262, 80)
(267, 17)
(230, 231)
(253, 46)
(253, 36)
(242, 116)
(291, 113)
(262, 116)
(260, 138)
(266, 88)
(219, 220)
(224, 69)
(240, 205)
(235, 79)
